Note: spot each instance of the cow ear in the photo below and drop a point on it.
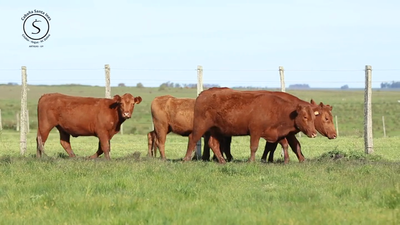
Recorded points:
(316, 113)
(299, 108)
(117, 98)
(138, 100)
(312, 102)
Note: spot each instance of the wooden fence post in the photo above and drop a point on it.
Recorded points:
(108, 86)
(23, 120)
(18, 122)
(368, 140)
(27, 121)
(1, 124)
(384, 127)
(337, 126)
(282, 76)
(199, 90)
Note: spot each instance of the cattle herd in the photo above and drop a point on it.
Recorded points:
(216, 114)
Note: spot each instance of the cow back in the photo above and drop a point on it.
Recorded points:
(173, 114)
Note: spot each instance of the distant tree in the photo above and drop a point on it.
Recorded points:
(393, 84)
(250, 88)
(344, 87)
(121, 85)
(210, 85)
(139, 85)
(163, 87)
(299, 86)
(177, 85)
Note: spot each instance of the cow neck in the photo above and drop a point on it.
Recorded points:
(120, 118)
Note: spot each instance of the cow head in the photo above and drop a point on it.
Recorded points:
(324, 121)
(126, 103)
(304, 120)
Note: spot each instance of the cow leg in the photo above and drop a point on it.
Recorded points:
(254, 140)
(98, 152)
(149, 144)
(104, 147)
(161, 131)
(226, 148)
(151, 141)
(206, 150)
(214, 143)
(42, 135)
(154, 146)
(269, 148)
(65, 141)
(194, 137)
(161, 139)
(296, 147)
(285, 146)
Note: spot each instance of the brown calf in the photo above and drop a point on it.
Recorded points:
(82, 116)
(174, 115)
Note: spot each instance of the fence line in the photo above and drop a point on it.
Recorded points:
(23, 117)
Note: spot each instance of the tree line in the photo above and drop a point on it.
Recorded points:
(393, 84)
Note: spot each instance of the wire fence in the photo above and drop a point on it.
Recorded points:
(348, 106)
(153, 77)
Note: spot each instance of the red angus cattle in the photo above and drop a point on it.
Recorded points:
(82, 116)
(226, 112)
(323, 124)
(174, 115)
(171, 114)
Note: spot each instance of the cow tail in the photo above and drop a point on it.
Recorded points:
(39, 145)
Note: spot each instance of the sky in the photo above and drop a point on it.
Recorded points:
(323, 43)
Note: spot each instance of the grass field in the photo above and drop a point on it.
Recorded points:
(337, 184)
(133, 189)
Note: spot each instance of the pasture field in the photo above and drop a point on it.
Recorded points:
(348, 105)
(134, 189)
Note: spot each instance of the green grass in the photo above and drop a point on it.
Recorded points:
(347, 105)
(353, 189)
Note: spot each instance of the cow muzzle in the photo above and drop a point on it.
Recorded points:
(332, 136)
(312, 135)
(126, 115)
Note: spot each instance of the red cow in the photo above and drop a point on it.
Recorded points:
(323, 124)
(82, 116)
(174, 115)
(226, 112)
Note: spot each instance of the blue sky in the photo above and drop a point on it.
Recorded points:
(322, 43)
